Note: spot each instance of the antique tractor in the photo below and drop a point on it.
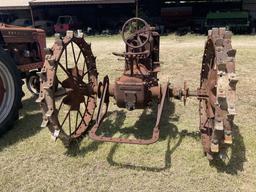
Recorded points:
(69, 87)
(21, 56)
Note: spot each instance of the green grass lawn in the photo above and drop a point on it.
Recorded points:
(31, 161)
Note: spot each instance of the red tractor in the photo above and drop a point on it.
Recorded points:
(21, 57)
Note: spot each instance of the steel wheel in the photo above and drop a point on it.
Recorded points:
(219, 80)
(68, 110)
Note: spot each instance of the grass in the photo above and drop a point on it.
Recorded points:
(31, 161)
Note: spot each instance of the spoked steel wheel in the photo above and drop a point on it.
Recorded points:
(219, 80)
(68, 108)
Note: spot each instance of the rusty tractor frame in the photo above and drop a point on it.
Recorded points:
(137, 88)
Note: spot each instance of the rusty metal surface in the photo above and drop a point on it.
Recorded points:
(139, 86)
(16, 34)
(28, 67)
(219, 80)
(70, 90)
(21, 40)
(156, 130)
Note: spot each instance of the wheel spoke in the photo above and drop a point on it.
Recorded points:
(75, 59)
(66, 57)
(60, 105)
(79, 55)
(77, 115)
(82, 117)
(59, 82)
(73, 51)
(63, 68)
(84, 66)
(85, 104)
(66, 117)
(89, 70)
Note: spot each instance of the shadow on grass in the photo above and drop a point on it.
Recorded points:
(237, 157)
(144, 127)
(76, 150)
(27, 126)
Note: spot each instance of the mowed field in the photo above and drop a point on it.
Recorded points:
(31, 161)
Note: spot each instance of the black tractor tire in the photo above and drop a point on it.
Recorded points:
(33, 83)
(10, 92)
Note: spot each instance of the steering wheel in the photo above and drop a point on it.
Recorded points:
(136, 32)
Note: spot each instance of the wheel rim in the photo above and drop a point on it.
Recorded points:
(74, 103)
(73, 106)
(34, 84)
(219, 80)
(208, 82)
(7, 92)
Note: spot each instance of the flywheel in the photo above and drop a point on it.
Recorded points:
(68, 78)
(218, 80)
